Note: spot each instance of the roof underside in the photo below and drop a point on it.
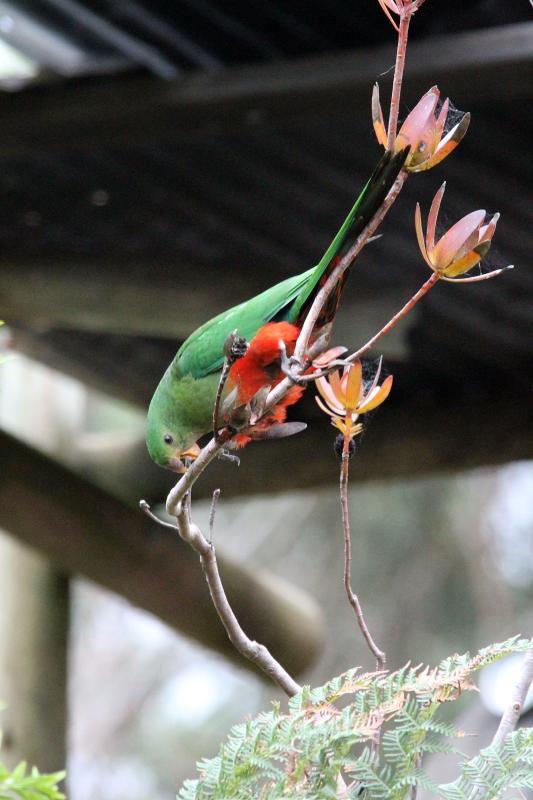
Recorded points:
(74, 37)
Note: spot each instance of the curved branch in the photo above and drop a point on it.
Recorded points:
(353, 599)
(255, 652)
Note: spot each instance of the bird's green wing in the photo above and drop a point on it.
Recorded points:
(202, 352)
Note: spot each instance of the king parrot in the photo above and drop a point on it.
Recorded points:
(181, 409)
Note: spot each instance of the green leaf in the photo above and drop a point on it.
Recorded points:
(330, 730)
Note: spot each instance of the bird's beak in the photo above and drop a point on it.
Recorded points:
(182, 461)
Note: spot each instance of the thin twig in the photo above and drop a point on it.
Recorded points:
(301, 380)
(403, 31)
(302, 343)
(220, 388)
(378, 654)
(353, 599)
(334, 365)
(322, 295)
(234, 348)
(212, 512)
(514, 708)
(207, 454)
(255, 652)
(143, 505)
(424, 289)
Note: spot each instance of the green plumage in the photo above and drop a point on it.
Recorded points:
(182, 406)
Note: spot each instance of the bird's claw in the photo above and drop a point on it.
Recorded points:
(235, 347)
(289, 364)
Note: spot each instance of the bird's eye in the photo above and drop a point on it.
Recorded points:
(167, 438)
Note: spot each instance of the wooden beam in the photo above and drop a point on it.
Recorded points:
(83, 529)
(129, 108)
(410, 436)
(428, 425)
(97, 297)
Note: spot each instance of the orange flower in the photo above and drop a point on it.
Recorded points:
(462, 246)
(344, 397)
(422, 131)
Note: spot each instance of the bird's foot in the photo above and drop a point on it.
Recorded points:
(290, 366)
(235, 347)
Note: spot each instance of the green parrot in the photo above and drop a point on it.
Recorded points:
(181, 409)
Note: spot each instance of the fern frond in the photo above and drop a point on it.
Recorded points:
(300, 754)
(496, 768)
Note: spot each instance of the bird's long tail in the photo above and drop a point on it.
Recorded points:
(364, 208)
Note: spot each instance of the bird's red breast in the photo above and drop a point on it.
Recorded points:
(259, 367)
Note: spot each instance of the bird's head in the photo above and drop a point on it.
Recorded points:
(165, 449)
(169, 445)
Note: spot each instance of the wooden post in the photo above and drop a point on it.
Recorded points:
(34, 619)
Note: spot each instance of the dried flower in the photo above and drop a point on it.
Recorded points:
(422, 131)
(328, 357)
(462, 246)
(345, 397)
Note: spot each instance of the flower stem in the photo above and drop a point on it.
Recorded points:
(405, 19)
(378, 654)
(302, 344)
(424, 289)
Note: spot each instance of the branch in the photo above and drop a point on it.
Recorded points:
(319, 301)
(255, 652)
(220, 388)
(206, 455)
(234, 348)
(302, 344)
(403, 32)
(308, 327)
(334, 365)
(431, 281)
(353, 599)
(514, 708)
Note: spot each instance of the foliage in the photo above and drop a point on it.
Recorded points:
(19, 784)
(495, 769)
(29, 785)
(329, 739)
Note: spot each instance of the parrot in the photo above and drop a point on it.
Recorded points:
(181, 409)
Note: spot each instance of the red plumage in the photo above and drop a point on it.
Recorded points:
(259, 367)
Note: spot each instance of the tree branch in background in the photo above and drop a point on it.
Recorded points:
(255, 652)
(514, 708)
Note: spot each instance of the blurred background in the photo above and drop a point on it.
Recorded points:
(159, 163)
